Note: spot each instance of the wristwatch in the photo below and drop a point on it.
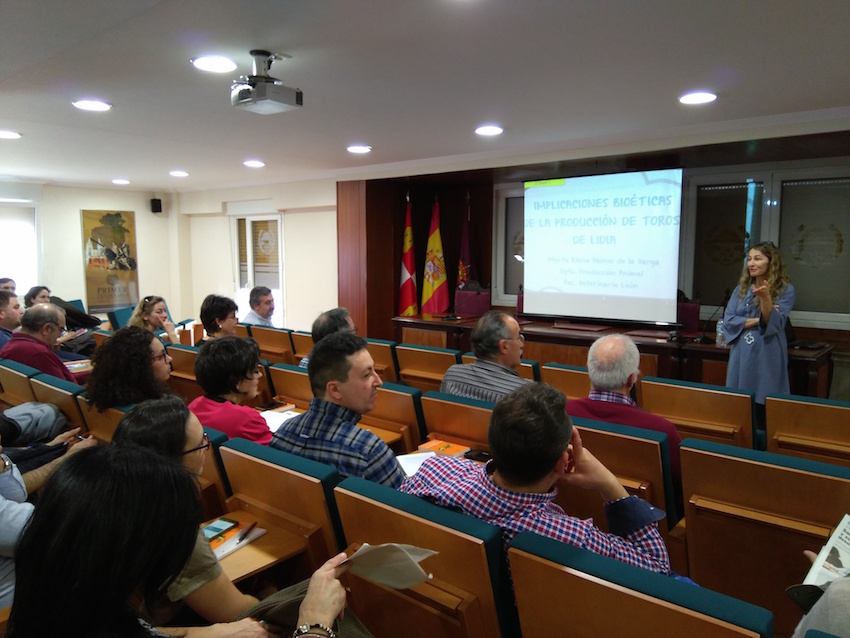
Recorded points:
(307, 630)
(7, 463)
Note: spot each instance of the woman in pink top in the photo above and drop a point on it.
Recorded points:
(229, 371)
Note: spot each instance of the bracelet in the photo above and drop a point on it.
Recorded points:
(304, 630)
(7, 463)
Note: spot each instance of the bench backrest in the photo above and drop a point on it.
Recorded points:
(296, 492)
(598, 596)
(62, 394)
(811, 428)
(469, 594)
(275, 344)
(639, 458)
(384, 355)
(750, 514)
(398, 409)
(457, 419)
(292, 383)
(701, 411)
(571, 380)
(15, 385)
(424, 367)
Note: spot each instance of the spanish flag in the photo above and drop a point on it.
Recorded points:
(435, 287)
(407, 297)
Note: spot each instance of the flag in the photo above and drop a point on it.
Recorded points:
(435, 286)
(465, 269)
(407, 298)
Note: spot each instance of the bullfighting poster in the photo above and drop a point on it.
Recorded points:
(109, 246)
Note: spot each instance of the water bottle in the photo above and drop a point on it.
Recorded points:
(721, 336)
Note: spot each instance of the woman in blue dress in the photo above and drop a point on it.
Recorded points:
(754, 323)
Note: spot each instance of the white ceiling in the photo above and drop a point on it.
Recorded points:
(413, 78)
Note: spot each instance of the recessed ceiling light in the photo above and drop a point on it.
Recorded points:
(699, 97)
(120, 181)
(359, 148)
(214, 63)
(254, 163)
(92, 105)
(9, 135)
(489, 129)
(178, 174)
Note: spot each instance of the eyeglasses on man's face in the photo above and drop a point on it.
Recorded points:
(162, 356)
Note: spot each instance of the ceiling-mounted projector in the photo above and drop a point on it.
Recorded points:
(261, 93)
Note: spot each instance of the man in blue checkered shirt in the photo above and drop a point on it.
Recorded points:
(534, 445)
(345, 386)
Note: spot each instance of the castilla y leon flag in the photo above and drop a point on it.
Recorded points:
(435, 286)
(407, 299)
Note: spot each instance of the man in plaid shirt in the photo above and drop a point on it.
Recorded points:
(345, 387)
(533, 445)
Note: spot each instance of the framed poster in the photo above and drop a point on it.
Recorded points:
(109, 246)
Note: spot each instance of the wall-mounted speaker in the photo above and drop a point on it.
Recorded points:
(156, 205)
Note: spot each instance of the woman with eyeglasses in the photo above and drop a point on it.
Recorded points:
(129, 367)
(151, 314)
(228, 369)
(754, 324)
(218, 314)
(167, 427)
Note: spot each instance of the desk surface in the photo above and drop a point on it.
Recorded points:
(273, 547)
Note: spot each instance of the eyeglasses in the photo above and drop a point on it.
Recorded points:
(521, 337)
(163, 356)
(256, 373)
(203, 446)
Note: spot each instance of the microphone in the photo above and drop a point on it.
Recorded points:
(703, 338)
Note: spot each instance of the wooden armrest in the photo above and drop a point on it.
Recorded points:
(421, 374)
(810, 445)
(781, 522)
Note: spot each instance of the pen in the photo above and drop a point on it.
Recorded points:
(244, 534)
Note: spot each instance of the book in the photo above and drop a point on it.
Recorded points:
(832, 562)
(229, 541)
(444, 447)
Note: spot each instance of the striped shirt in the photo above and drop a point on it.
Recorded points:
(328, 433)
(481, 379)
(467, 485)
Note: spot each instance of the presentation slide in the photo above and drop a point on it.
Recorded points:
(604, 246)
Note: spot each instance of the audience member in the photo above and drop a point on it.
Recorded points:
(76, 318)
(7, 284)
(228, 369)
(327, 323)
(15, 511)
(14, 514)
(345, 387)
(129, 367)
(167, 427)
(497, 344)
(262, 307)
(37, 294)
(151, 314)
(612, 365)
(104, 542)
(41, 325)
(218, 315)
(533, 446)
(76, 342)
(10, 315)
